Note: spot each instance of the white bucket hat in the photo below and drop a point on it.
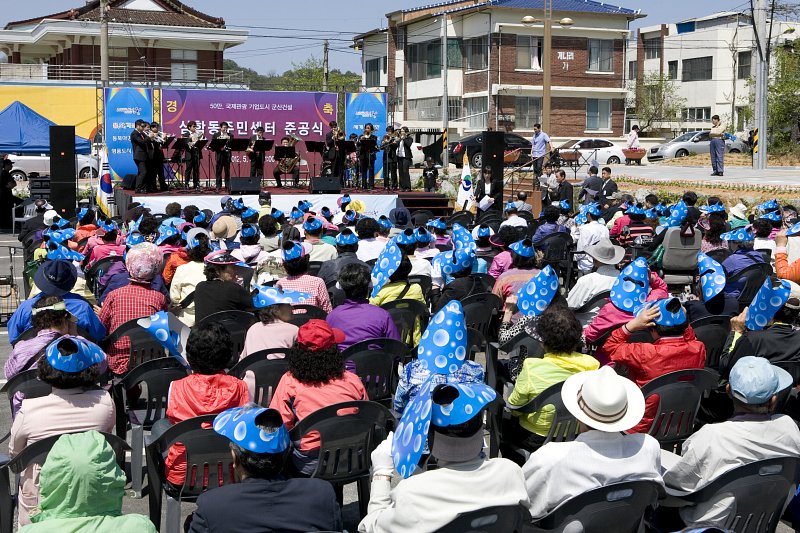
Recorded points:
(603, 400)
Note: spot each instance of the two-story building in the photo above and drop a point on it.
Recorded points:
(495, 66)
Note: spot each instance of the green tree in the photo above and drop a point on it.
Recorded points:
(655, 99)
(783, 100)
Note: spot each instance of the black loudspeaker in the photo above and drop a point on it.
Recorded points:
(494, 144)
(129, 182)
(245, 185)
(63, 174)
(325, 185)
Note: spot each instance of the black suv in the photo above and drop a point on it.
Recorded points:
(473, 145)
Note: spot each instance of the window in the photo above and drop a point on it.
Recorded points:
(697, 69)
(601, 54)
(598, 114)
(477, 53)
(744, 67)
(184, 71)
(528, 112)
(424, 60)
(476, 111)
(632, 70)
(529, 52)
(697, 114)
(398, 84)
(183, 55)
(672, 70)
(118, 54)
(400, 38)
(372, 71)
(455, 108)
(455, 57)
(425, 109)
(652, 48)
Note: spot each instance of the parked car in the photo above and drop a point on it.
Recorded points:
(697, 142)
(87, 166)
(473, 146)
(602, 150)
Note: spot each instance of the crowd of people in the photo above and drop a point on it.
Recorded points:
(605, 333)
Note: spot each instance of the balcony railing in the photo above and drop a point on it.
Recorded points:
(177, 74)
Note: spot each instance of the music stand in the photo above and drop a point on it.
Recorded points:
(368, 147)
(168, 140)
(177, 155)
(239, 145)
(216, 146)
(315, 147)
(282, 152)
(263, 145)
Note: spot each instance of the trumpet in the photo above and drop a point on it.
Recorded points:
(195, 137)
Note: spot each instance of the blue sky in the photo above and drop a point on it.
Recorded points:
(275, 49)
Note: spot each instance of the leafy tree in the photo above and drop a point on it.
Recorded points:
(655, 99)
(783, 99)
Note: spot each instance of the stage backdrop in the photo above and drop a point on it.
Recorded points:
(123, 106)
(361, 108)
(280, 113)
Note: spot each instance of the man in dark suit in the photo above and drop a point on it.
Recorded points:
(590, 190)
(155, 173)
(608, 189)
(140, 147)
(390, 160)
(565, 190)
(257, 158)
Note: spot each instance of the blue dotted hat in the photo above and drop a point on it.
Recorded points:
(423, 236)
(265, 296)
(437, 223)
(107, 225)
(455, 260)
(199, 218)
(387, 264)
(166, 233)
(510, 206)
(350, 216)
(240, 425)
(133, 239)
(482, 231)
(57, 251)
(250, 230)
(304, 206)
(346, 237)
(62, 223)
(191, 237)
(581, 219)
(296, 214)
(712, 276)
(293, 250)
(534, 297)
(344, 201)
(325, 212)
(666, 317)
(276, 213)
(406, 237)
(630, 289)
(239, 204)
(635, 210)
(523, 248)
(312, 224)
(768, 301)
(73, 354)
(169, 331)
(385, 223)
(443, 346)
(794, 230)
(60, 236)
(249, 212)
(677, 214)
(772, 216)
(661, 209)
(564, 204)
(771, 205)
(133, 225)
(651, 213)
(592, 209)
(462, 238)
(80, 213)
(738, 235)
(713, 208)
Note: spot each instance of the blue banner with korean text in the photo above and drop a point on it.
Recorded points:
(363, 108)
(123, 106)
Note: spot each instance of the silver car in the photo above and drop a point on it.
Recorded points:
(86, 166)
(697, 142)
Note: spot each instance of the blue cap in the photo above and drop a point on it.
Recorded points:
(773, 216)
(635, 210)
(523, 248)
(387, 264)
(564, 204)
(312, 224)
(592, 209)
(384, 222)
(754, 380)
(534, 297)
(296, 214)
(133, 239)
(266, 296)
(62, 223)
(768, 300)
(630, 289)
(350, 215)
(73, 354)
(60, 236)
(651, 213)
(276, 213)
(293, 250)
(712, 276)
(666, 317)
(241, 425)
(199, 218)
(239, 204)
(738, 235)
(713, 208)
(483, 231)
(344, 200)
(166, 233)
(422, 235)
(57, 251)
(581, 219)
(406, 237)
(304, 206)
(443, 346)
(456, 260)
(437, 223)
(346, 237)
(325, 212)
(107, 225)
(81, 213)
(677, 214)
(249, 212)
(769, 205)
(510, 206)
(250, 230)
(169, 331)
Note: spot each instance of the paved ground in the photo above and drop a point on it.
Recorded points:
(743, 175)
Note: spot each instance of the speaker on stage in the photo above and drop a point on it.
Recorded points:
(129, 182)
(325, 185)
(63, 174)
(245, 185)
(494, 144)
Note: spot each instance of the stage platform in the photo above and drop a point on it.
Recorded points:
(377, 201)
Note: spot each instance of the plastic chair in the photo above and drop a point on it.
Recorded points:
(421, 217)
(144, 347)
(759, 489)
(719, 255)
(348, 433)
(619, 507)
(157, 376)
(679, 394)
(313, 267)
(208, 464)
(424, 282)
(267, 373)
(335, 294)
(465, 218)
(753, 277)
(712, 331)
(679, 262)
(500, 519)
(376, 368)
(302, 313)
(475, 343)
(37, 453)
(236, 322)
(29, 385)
(598, 300)
(97, 270)
(28, 210)
(525, 346)
(480, 310)
(494, 413)
(405, 314)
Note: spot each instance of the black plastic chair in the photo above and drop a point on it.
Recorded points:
(267, 373)
(335, 294)
(719, 255)
(476, 343)
(32, 332)
(302, 313)
(500, 519)
(156, 376)
(208, 465)
(557, 248)
(480, 310)
(377, 370)
(488, 280)
(144, 347)
(236, 322)
(420, 217)
(464, 218)
(424, 282)
(792, 367)
(712, 331)
(595, 301)
(759, 489)
(29, 385)
(37, 453)
(753, 277)
(619, 507)
(524, 345)
(679, 394)
(405, 314)
(313, 267)
(97, 270)
(348, 433)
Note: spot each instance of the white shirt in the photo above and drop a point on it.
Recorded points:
(716, 448)
(589, 234)
(560, 470)
(370, 249)
(322, 251)
(633, 139)
(587, 287)
(515, 221)
(419, 266)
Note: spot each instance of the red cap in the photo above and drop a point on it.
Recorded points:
(316, 335)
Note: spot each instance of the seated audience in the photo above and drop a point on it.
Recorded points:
(426, 248)
(588, 234)
(296, 257)
(346, 249)
(177, 257)
(320, 251)
(407, 242)
(316, 378)
(369, 247)
(712, 237)
(605, 259)
(783, 269)
(674, 347)
(269, 233)
(397, 287)
(711, 299)
(71, 366)
(189, 274)
(273, 329)
(173, 212)
(221, 290)
(551, 214)
(606, 406)
(512, 217)
(359, 319)
(458, 265)
(743, 256)
(250, 251)
(82, 487)
(484, 249)
(525, 263)
(207, 390)
(504, 238)
(438, 228)
(636, 228)
(764, 239)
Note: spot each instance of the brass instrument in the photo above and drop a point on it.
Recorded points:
(249, 150)
(388, 140)
(286, 164)
(224, 136)
(195, 137)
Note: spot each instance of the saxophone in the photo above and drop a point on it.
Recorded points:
(287, 164)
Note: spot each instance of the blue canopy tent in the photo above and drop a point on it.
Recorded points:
(23, 130)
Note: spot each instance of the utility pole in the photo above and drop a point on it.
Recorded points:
(104, 43)
(762, 77)
(547, 64)
(445, 99)
(325, 65)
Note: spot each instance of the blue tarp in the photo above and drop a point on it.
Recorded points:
(23, 130)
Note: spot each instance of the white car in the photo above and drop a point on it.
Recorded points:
(86, 166)
(602, 150)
